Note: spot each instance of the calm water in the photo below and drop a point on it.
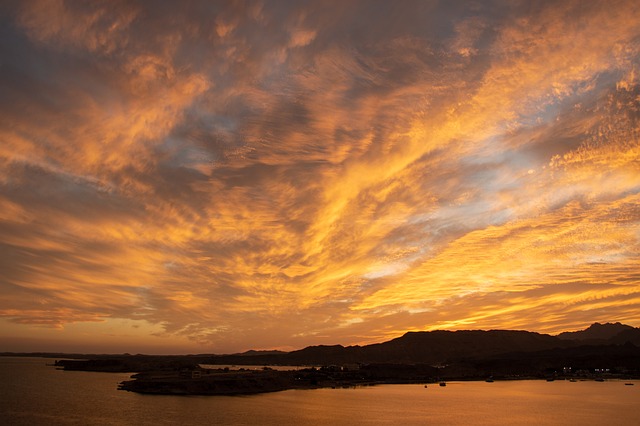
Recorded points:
(34, 394)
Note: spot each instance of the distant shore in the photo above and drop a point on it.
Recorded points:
(179, 377)
(603, 351)
(234, 382)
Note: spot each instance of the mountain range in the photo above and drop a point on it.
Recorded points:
(465, 354)
(439, 347)
(598, 352)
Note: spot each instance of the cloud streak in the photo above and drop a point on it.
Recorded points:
(264, 174)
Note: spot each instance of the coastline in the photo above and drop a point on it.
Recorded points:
(247, 382)
(187, 376)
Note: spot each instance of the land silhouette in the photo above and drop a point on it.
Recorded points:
(599, 352)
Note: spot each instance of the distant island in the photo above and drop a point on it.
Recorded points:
(599, 352)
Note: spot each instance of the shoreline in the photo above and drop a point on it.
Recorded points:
(250, 382)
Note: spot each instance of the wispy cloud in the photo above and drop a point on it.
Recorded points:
(271, 174)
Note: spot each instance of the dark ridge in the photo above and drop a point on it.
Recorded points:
(431, 347)
(597, 331)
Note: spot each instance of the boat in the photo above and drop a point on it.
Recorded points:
(443, 384)
(629, 384)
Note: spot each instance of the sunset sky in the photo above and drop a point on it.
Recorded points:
(213, 177)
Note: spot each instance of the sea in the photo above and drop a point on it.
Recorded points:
(34, 393)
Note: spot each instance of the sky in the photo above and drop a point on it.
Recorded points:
(214, 177)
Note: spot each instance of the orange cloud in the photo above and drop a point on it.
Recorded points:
(236, 176)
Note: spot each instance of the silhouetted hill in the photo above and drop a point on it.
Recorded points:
(334, 354)
(445, 346)
(441, 347)
(425, 347)
(631, 335)
(597, 331)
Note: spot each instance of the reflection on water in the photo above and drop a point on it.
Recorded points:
(34, 394)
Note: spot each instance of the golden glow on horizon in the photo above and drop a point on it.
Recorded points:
(223, 177)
